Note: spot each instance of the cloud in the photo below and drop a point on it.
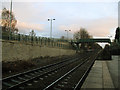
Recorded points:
(103, 26)
(98, 27)
(72, 27)
(69, 16)
(26, 27)
(27, 15)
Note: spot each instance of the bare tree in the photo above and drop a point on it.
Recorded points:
(8, 20)
(82, 34)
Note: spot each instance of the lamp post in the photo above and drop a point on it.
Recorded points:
(109, 36)
(67, 33)
(51, 26)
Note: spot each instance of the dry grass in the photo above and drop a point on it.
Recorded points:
(14, 67)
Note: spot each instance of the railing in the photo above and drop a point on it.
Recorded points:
(35, 40)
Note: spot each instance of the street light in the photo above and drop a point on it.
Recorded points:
(67, 33)
(51, 27)
(109, 36)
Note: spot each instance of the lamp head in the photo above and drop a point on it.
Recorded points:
(48, 19)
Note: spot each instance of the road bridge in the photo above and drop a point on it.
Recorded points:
(93, 40)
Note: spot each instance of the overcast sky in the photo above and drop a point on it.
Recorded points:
(99, 18)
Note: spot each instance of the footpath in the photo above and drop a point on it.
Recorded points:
(99, 76)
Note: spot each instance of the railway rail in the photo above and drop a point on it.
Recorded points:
(38, 75)
(66, 81)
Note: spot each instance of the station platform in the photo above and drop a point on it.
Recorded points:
(99, 76)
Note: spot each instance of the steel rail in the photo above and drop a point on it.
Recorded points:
(51, 85)
(43, 67)
(34, 77)
(22, 75)
(79, 84)
(13, 86)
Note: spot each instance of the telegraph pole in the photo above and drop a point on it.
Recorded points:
(10, 33)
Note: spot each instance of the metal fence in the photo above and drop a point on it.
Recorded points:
(34, 40)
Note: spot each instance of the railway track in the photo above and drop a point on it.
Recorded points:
(21, 78)
(37, 76)
(67, 81)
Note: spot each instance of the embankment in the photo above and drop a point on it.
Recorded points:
(13, 50)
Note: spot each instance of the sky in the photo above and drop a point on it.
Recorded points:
(99, 18)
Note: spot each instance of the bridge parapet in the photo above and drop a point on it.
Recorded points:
(93, 40)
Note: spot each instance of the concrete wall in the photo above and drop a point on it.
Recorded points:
(22, 51)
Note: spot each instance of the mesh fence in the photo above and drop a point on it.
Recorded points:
(35, 40)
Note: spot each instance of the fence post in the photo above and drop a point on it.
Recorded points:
(48, 42)
(42, 41)
(32, 39)
(15, 37)
(45, 42)
(53, 42)
(29, 38)
(36, 40)
(57, 44)
(39, 40)
(18, 37)
(25, 38)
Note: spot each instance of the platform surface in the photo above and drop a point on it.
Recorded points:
(99, 76)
